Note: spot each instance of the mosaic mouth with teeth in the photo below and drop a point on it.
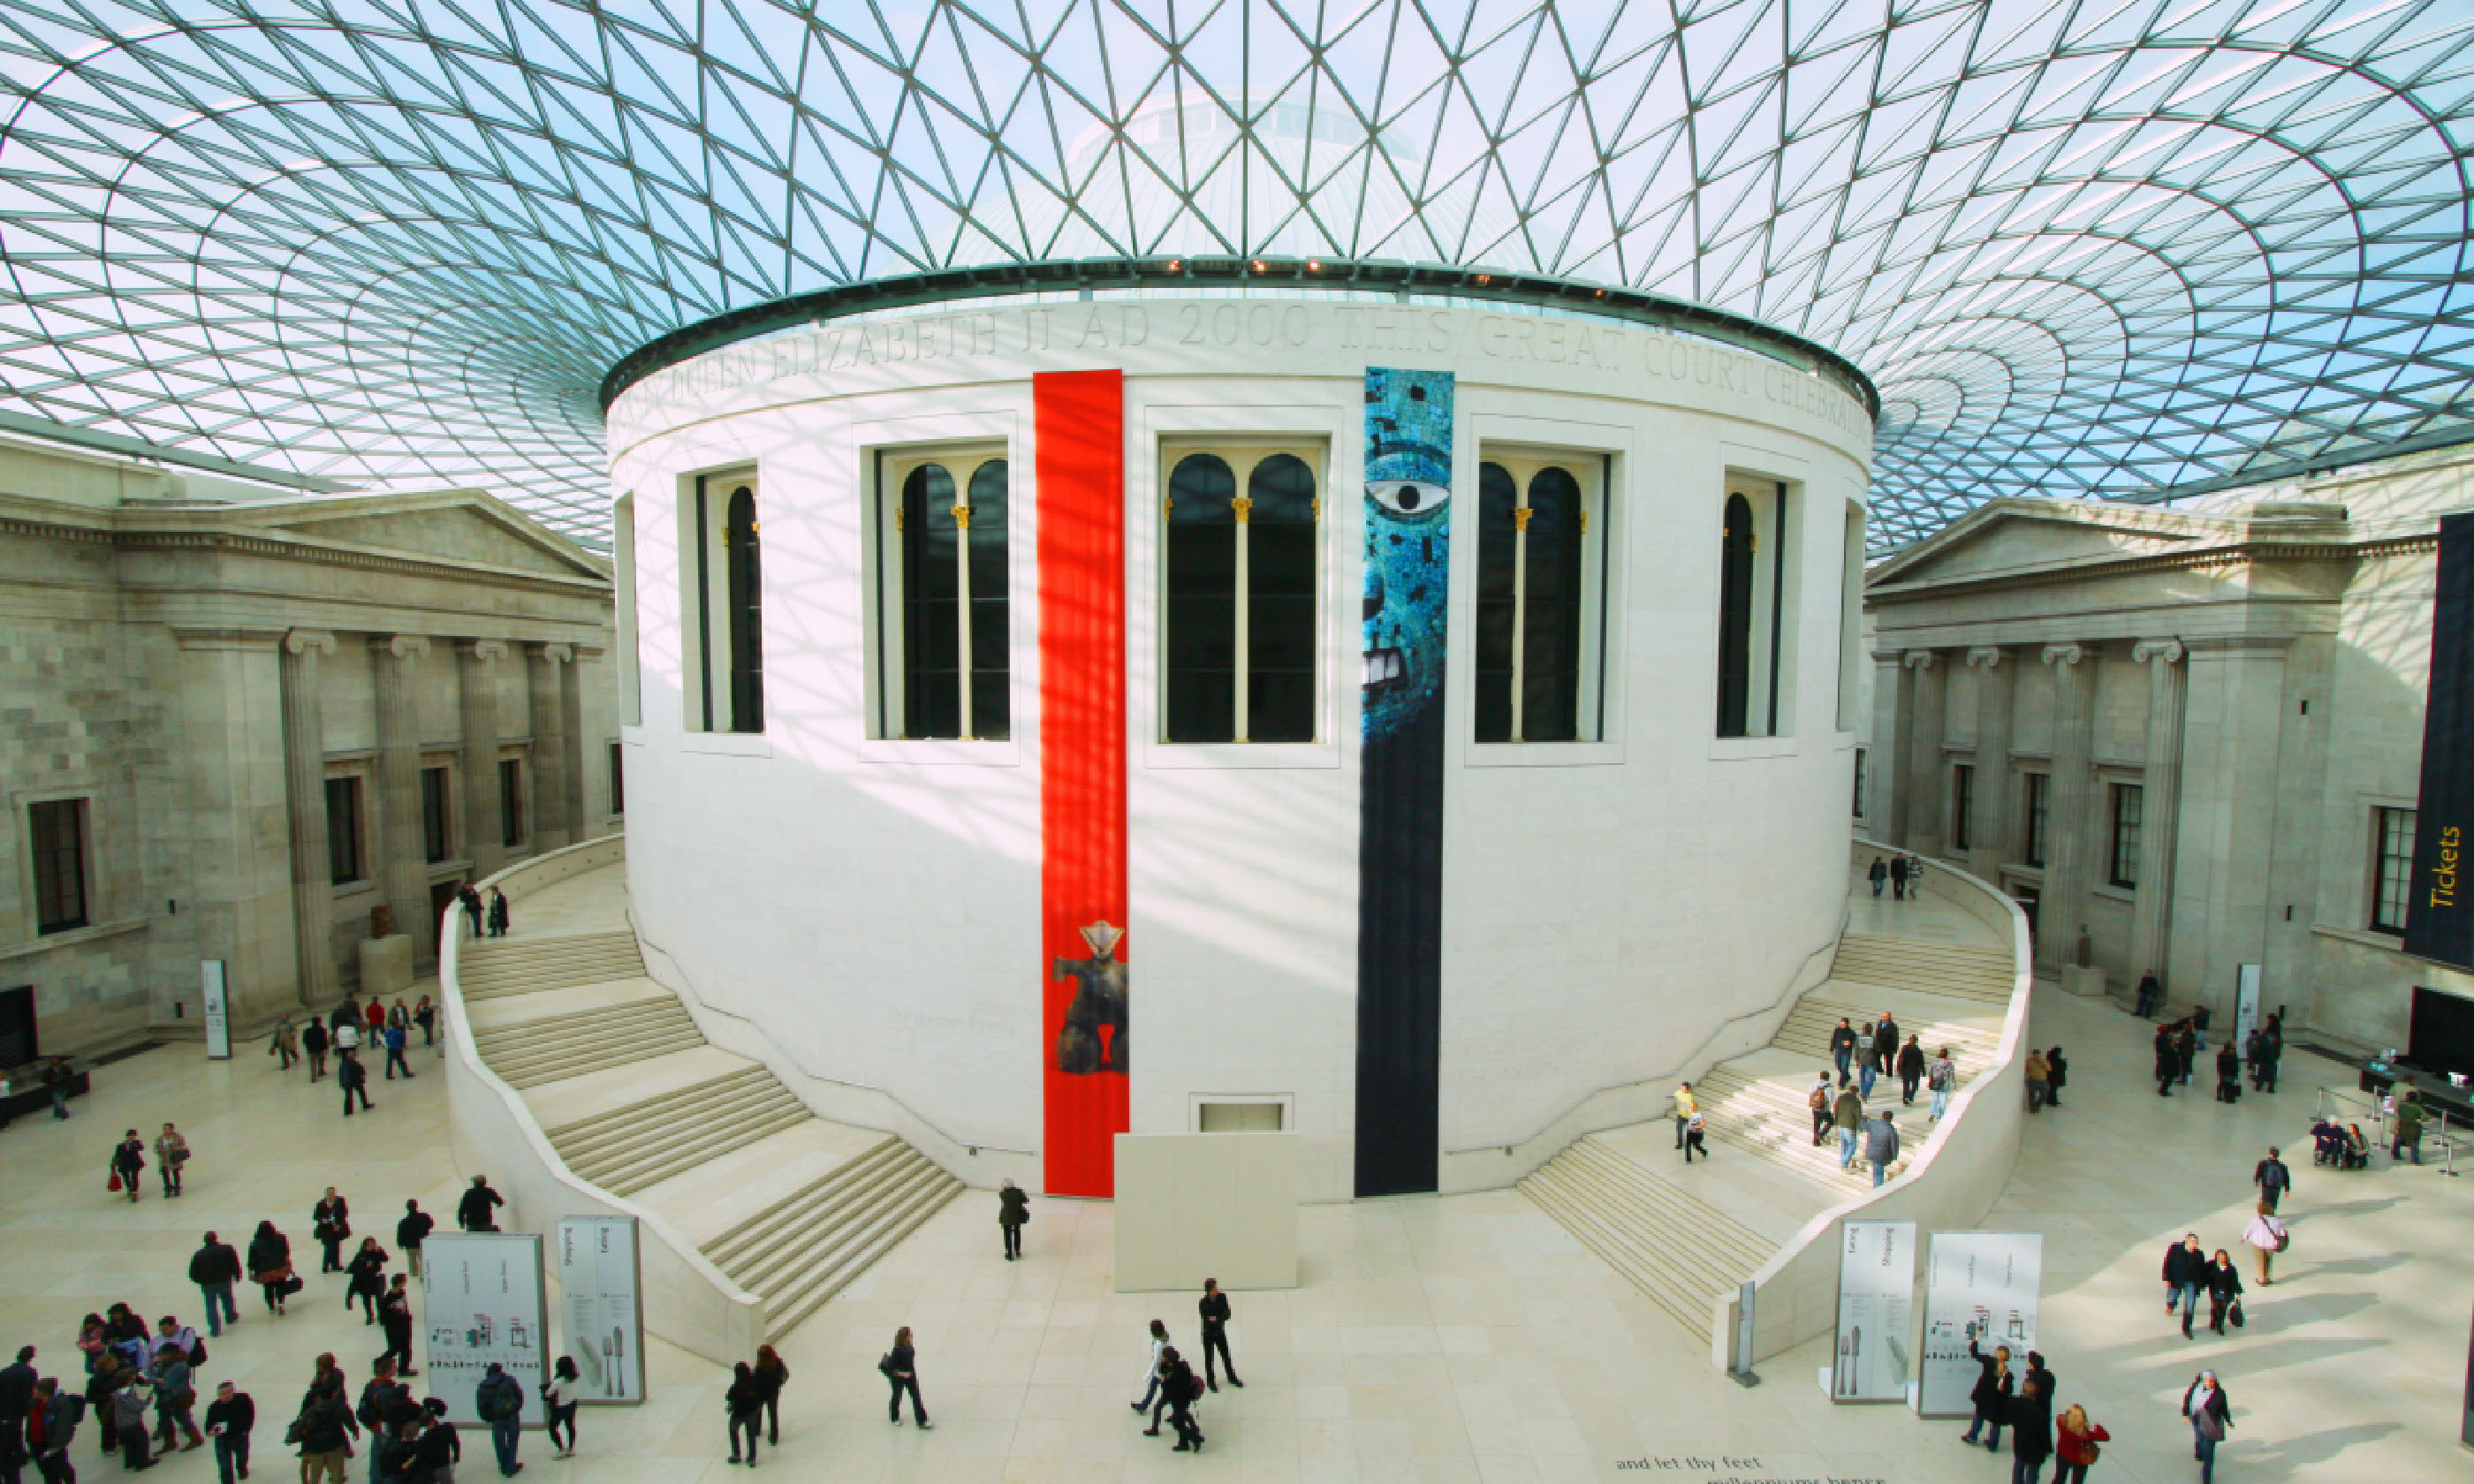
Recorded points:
(1384, 667)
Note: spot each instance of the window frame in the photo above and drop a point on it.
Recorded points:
(617, 766)
(1851, 616)
(438, 828)
(2036, 818)
(1863, 761)
(889, 467)
(80, 852)
(2380, 874)
(709, 640)
(347, 854)
(515, 816)
(1591, 471)
(1774, 603)
(1963, 805)
(2123, 793)
(1244, 453)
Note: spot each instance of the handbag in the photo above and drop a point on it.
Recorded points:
(113, 1184)
(2236, 1314)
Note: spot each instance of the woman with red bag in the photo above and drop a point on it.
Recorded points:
(128, 1160)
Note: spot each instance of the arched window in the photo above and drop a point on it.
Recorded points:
(1736, 618)
(1202, 617)
(746, 608)
(946, 616)
(1276, 553)
(1241, 637)
(1540, 581)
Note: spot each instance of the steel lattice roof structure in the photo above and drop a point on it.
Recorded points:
(2082, 247)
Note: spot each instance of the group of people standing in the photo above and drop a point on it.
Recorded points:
(345, 1032)
(1904, 874)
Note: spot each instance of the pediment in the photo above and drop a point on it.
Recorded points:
(473, 529)
(2023, 541)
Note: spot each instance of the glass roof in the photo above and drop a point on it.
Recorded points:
(2091, 247)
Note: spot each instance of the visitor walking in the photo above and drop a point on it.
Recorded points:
(1915, 879)
(331, 1221)
(285, 1042)
(1013, 1210)
(772, 1376)
(2186, 1273)
(2169, 1061)
(1842, 1045)
(395, 1042)
(1898, 879)
(1868, 1061)
(2057, 1072)
(1214, 1308)
(1694, 1128)
(2272, 1178)
(471, 901)
(425, 1016)
(1877, 873)
(354, 1079)
(1881, 1146)
(2271, 1051)
(2075, 1444)
(1885, 1041)
(171, 1152)
(314, 1044)
(411, 1231)
(1991, 1394)
(1849, 1113)
(366, 1274)
(326, 1429)
(1819, 1101)
(2186, 1050)
(1686, 1105)
(1941, 1079)
(743, 1405)
(441, 1448)
(129, 1161)
(230, 1418)
(497, 913)
(901, 1368)
(1153, 1401)
(270, 1265)
(559, 1400)
(2032, 1431)
(2225, 1285)
(475, 1211)
(2149, 992)
(1182, 1389)
(2266, 1236)
(501, 1402)
(2211, 1417)
(1911, 1071)
(2228, 1074)
(395, 1322)
(215, 1267)
(2038, 1074)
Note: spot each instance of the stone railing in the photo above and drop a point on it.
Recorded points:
(1947, 1186)
(687, 1300)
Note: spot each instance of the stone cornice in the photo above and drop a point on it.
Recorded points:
(2247, 553)
(251, 544)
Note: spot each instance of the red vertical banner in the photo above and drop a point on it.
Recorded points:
(1079, 419)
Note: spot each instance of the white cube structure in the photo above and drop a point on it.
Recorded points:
(1146, 772)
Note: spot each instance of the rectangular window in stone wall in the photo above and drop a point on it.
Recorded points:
(435, 810)
(2129, 804)
(343, 831)
(617, 780)
(57, 827)
(1962, 806)
(2392, 867)
(1859, 782)
(2040, 788)
(511, 801)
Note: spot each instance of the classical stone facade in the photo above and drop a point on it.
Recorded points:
(2188, 738)
(198, 674)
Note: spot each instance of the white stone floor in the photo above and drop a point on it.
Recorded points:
(1454, 1339)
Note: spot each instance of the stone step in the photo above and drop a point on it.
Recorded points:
(1679, 1252)
(651, 1163)
(926, 1195)
(614, 1034)
(766, 1229)
(663, 1108)
(631, 1137)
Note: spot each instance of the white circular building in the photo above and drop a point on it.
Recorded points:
(1403, 720)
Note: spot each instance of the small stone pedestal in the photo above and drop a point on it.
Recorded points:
(386, 965)
(2082, 980)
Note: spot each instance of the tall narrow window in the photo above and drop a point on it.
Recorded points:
(2130, 802)
(1753, 578)
(725, 612)
(2040, 788)
(511, 801)
(1963, 805)
(1860, 761)
(2392, 867)
(343, 830)
(1851, 615)
(57, 827)
(1241, 577)
(945, 616)
(435, 811)
(1540, 598)
(617, 779)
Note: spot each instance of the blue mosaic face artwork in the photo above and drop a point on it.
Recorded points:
(1408, 532)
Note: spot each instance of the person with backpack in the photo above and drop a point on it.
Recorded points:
(377, 1394)
(325, 1430)
(1013, 1210)
(1817, 1102)
(128, 1160)
(395, 1043)
(331, 1221)
(2211, 1417)
(2266, 1236)
(1911, 1070)
(1180, 1386)
(743, 1404)
(901, 1368)
(501, 1402)
(2272, 1178)
(313, 1045)
(1941, 1079)
(215, 1267)
(230, 1417)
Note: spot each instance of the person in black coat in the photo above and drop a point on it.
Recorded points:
(1885, 1040)
(2228, 1074)
(2186, 1274)
(270, 1264)
(331, 1221)
(2224, 1286)
(743, 1404)
(2057, 1072)
(17, 1394)
(2169, 1061)
(2047, 1386)
(1991, 1395)
(1013, 1209)
(1911, 1070)
(2032, 1432)
(410, 1232)
(901, 1367)
(313, 1043)
(1842, 1045)
(368, 1274)
(1214, 1307)
(475, 1208)
(230, 1417)
(1899, 878)
(354, 1079)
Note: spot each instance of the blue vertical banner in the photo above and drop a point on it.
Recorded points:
(1400, 821)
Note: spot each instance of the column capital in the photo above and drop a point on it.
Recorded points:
(482, 649)
(555, 654)
(1918, 658)
(301, 641)
(2063, 656)
(1986, 655)
(402, 646)
(2160, 651)
(1887, 656)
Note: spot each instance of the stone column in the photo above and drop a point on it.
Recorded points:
(1894, 703)
(2225, 836)
(235, 807)
(546, 667)
(305, 782)
(2061, 907)
(1924, 779)
(571, 703)
(2152, 913)
(1989, 821)
(476, 677)
(404, 865)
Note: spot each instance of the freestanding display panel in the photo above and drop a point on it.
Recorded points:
(1978, 1286)
(482, 1294)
